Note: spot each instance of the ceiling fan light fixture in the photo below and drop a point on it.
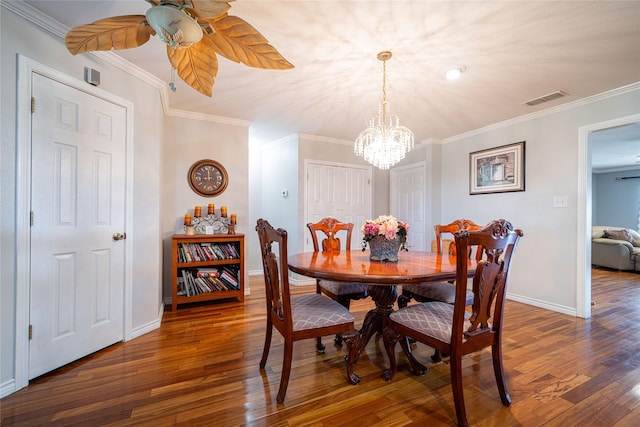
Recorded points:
(174, 26)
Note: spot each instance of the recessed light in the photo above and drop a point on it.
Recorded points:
(454, 73)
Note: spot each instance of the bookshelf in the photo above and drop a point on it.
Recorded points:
(206, 267)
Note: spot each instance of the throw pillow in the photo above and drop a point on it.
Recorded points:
(618, 235)
(636, 237)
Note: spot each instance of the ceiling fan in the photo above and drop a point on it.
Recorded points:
(194, 31)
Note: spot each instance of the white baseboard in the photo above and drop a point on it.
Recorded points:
(301, 280)
(543, 304)
(151, 326)
(7, 388)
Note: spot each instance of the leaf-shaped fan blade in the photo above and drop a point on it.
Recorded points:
(238, 41)
(118, 32)
(196, 65)
(210, 8)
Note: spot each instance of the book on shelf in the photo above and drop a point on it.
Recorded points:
(187, 284)
(229, 279)
(233, 249)
(184, 251)
(182, 291)
(207, 279)
(203, 285)
(207, 251)
(208, 272)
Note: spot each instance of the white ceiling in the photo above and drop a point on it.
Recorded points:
(513, 51)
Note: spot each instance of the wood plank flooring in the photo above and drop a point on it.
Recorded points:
(200, 368)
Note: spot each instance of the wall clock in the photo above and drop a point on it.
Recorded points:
(208, 178)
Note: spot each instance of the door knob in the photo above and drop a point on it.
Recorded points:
(119, 236)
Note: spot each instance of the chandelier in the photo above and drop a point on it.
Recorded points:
(384, 143)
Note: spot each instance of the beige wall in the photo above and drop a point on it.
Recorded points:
(544, 271)
(187, 141)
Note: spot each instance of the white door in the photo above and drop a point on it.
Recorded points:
(340, 191)
(77, 203)
(408, 196)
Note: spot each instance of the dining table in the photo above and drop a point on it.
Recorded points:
(382, 279)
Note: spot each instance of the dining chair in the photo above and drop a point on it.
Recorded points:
(451, 228)
(439, 291)
(302, 317)
(341, 292)
(451, 328)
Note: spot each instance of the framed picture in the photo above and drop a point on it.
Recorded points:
(497, 170)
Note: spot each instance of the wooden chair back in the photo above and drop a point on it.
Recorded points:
(498, 241)
(452, 228)
(276, 275)
(330, 227)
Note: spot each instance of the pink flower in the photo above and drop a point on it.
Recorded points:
(387, 226)
(370, 228)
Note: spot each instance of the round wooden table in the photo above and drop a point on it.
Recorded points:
(382, 278)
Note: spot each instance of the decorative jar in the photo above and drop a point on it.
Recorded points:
(383, 249)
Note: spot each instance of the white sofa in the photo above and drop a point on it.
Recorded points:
(612, 252)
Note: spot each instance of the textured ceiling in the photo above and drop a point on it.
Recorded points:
(513, 51)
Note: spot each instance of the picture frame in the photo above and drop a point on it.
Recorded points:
(497, 170)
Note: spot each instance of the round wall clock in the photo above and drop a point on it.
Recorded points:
(208, 178)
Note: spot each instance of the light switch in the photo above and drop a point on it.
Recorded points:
(560, 202)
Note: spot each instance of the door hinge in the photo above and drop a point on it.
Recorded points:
(30, 332)
(33, 104)
(31, 216)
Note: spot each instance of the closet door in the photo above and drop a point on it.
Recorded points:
(408, 203)
(340, 191)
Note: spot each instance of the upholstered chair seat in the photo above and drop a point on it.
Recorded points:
(315, 311)
(435, 291)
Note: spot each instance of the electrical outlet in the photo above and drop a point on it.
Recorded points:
(560, 202)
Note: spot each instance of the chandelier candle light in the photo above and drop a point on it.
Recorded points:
(384, 143)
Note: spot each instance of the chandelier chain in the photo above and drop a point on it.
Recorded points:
(384, 92)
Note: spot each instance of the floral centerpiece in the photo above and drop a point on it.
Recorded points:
(385, 236)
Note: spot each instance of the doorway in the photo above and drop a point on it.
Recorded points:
(585, 206)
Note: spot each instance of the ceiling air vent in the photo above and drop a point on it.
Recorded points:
(546, 98)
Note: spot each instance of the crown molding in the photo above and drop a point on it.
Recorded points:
(206, 117)
(618, 169)
(36, 17)
(324, 139)
(564, 107)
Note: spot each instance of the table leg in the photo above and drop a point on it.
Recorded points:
(377, 320)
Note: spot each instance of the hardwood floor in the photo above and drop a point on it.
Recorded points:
(201, 368)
